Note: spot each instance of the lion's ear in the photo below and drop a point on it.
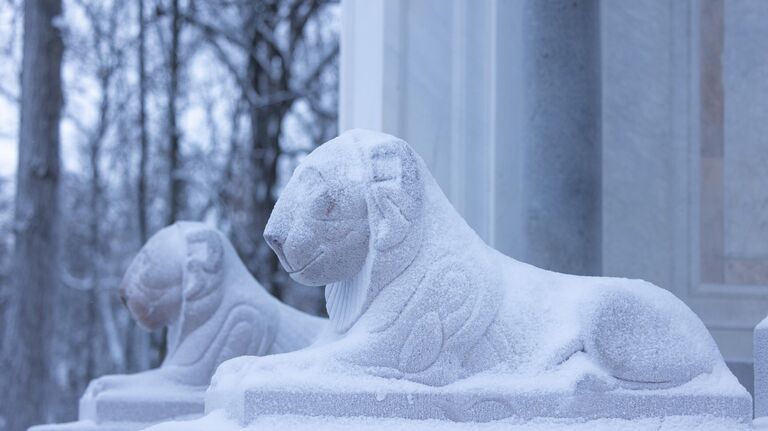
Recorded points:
(205, 254)
(395, 193)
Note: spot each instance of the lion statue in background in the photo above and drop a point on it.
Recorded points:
(189, 278)
(413, 293)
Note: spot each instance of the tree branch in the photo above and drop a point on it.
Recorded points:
(212, 32)
(299, 22)
(325, 61)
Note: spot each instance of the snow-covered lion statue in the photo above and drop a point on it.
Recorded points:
(189, 278)
(414, 294)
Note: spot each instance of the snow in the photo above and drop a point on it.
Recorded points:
(218, 421)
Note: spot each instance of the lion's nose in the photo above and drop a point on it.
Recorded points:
(275, 233)
(276, 237)
(273, 239)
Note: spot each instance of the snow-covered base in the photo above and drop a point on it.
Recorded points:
(489, 406)
(131, 410)
(92, 426)
(142, 406)
(218, 421)
(566, 393)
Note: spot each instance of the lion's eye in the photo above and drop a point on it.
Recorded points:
(325, 207)
(329, 207)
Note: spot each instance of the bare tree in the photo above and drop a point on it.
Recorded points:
(136, 352)
(36, 217)
(282, 65)
(263, 75)
(143, 138)
(176, 195)
(108, 58)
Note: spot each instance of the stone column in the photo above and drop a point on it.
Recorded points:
(561, 205)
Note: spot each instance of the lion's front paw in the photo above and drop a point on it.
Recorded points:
(105, 384)
(235, 365)
(252, 370)
(233, 371)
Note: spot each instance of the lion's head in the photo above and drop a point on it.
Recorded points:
(353, 196)
(177, 266)
(151, 287)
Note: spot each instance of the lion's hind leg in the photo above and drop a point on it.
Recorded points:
(646, 338)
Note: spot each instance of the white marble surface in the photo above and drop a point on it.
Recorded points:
(745, 85)
(466, 118)
(446, 76)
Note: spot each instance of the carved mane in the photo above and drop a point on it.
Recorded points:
(201, 279)
(217, 310)
(394, 198)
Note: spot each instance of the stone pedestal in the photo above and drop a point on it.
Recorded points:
(761, 368)
(554, 396)
(130, 411)
(489, 406)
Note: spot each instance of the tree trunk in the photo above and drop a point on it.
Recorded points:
(177, 184)
(27, 335)
(176, 193)
(266, 128)
(138, 344)
(143, 138)
(98, 295)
